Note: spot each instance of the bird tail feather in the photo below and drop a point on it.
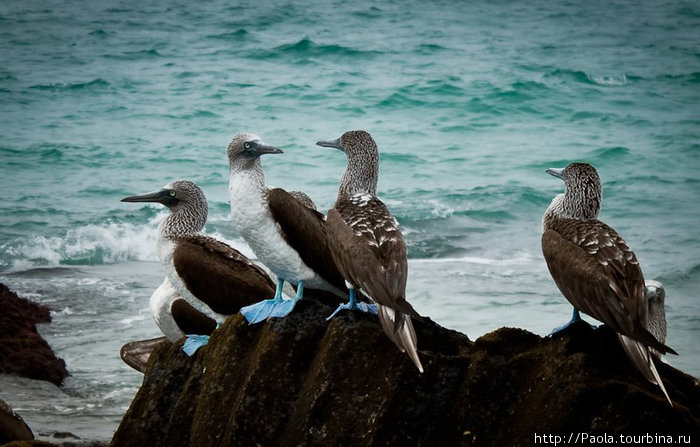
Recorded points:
(399, 328)
(643, 360)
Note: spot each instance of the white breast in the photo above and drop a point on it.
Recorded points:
(159, 305)
(252, 219)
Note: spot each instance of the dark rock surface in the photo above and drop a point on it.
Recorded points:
(12, 426)
(39, 443)
(303, 381)
(23, 351)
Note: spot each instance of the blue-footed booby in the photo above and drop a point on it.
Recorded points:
(656, 302)
(283, 229)
(206, 279)
(595, 269)
(367, 244)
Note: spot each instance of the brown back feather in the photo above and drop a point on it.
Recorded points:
(304, 229)
(190, 320)
(599, 274)
(220, 275)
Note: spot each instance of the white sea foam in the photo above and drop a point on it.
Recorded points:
(608, 80)
(105, 243)
(520, 258)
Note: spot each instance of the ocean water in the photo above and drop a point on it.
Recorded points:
(469, 103)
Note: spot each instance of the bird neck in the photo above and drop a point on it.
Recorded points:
(360, 176)
(249, 171)
(578, 204)
(183, 222)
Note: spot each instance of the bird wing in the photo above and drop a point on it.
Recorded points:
(220, 275)
(370, 251)
(190, 320)
(304, 229)
(599, 274)
(137, 353)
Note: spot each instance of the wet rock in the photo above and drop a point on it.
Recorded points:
(303, 381)
(23, 351)
(12, 426)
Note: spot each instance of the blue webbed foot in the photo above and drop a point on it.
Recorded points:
(275, 307)
(193, 343)
(353, 304)
(286, 307)
(575, 318)
(255, 313)
(283, 308)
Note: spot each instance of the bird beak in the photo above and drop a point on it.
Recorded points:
(556, 172)
(163, 196)
(257, 148)
(335, 144)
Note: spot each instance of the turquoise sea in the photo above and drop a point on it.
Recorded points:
(469, 103)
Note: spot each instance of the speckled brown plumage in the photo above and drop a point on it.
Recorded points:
(595, 269)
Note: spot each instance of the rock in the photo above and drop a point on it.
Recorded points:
(23, 351)
(303, 381)
(39, 443)
(12, 426)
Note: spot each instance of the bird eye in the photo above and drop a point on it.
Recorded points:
(172, 193)
(246, 145)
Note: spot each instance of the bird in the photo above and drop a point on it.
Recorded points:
(656, 301)
(206, 279)
(176, 319)
(595, 269)
(284, 230)
(367, 244)
(655, 295)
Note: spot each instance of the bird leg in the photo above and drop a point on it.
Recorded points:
(353, 304)
(285, 307)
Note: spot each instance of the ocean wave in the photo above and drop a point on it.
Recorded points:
(399, 100)
(682, 78)
(605, 80)
(373, 12)
(107, 243)
(429, 48)
(238, 35)
(308, 48)
(604, 154)
(96, 244)
(135, 55)
(608, 80)
(101, 33)
(97, 83)
(519, 259)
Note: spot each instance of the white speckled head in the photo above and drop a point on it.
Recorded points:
(656, 299)
(584, 192)
(187, 204)
(363, 162)
(245, 149)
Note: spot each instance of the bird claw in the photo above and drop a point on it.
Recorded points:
(193, 343)
(361, 306)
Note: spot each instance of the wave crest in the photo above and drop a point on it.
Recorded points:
(86, 245)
